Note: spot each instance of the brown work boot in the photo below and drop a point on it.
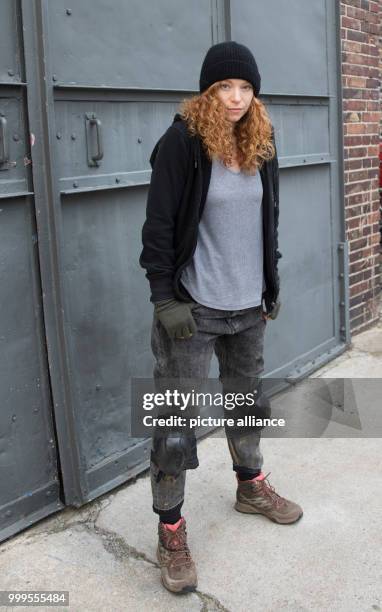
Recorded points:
(257, 496)
(178, 570)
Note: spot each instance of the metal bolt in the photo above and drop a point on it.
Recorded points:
(16, 137)
(117, 180)
(139, 139)
(342, 304)
(98, 387)
(73, 136)
(54, 77)
(342, 329)
(75, 184)
(11, 72)
(68, 11)
(14, 418)
(341, 275)
(340, 247)
(58, 135)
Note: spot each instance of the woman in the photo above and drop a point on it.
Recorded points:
(210, 250)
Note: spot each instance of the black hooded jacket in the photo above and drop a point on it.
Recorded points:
(176, 198)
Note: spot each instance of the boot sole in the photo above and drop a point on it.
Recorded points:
(247, 509)
(173, 586)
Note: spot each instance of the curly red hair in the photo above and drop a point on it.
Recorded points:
(205, 117)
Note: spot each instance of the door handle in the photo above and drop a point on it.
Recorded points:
(95, 153)
(4, 153)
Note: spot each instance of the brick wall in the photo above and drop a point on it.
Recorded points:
(361, 62)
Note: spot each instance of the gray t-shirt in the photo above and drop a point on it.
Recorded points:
(226, 271)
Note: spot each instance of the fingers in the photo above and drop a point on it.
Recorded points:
(186, 332)
(192, 325)
(183, 333)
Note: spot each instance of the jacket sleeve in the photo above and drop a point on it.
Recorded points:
(167, 183)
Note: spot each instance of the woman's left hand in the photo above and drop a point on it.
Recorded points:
(272, 313)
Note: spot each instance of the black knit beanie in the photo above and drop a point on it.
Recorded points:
(229, 60)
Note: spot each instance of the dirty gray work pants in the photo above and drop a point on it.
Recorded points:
(237, 337)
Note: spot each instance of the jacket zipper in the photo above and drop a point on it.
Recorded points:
(271, 241)
(181, 268)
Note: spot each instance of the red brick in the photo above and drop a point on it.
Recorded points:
(355, 35)
(354, 245)
(350, 23)
(358, 288)
(355, 105)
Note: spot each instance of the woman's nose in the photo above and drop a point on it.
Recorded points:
(236, 95)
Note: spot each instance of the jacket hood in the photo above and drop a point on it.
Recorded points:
(177, 117)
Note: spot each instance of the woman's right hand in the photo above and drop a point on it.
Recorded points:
(176, 317)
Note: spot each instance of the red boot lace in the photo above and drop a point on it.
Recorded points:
(175, 545)
(269, 491)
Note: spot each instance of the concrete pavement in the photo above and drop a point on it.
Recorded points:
(104, 553)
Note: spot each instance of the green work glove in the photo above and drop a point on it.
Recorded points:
(176, 317)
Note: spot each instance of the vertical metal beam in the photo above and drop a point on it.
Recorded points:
(220, 21)
(343, 247)
(343, 266)
(338, 227)
(48, 219)
(227, 18)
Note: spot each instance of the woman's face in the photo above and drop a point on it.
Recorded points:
(236, 96)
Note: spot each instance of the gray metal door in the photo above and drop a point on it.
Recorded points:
(106, 99)
(103, 81)
(29, 484)
(297, 45)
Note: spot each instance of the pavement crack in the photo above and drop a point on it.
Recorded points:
(121, 550)
(61, 523)
(117, 545)
(210, 603)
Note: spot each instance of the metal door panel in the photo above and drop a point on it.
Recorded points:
(127, 128)
(136, 44)
(29, 481)
(13, 173)
(28, 466)
(289, 41)
(9, 47)
(305, 106)
(305, 321)
(105, 315)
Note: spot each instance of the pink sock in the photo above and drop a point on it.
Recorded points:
(174, 527)
(261, 476)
